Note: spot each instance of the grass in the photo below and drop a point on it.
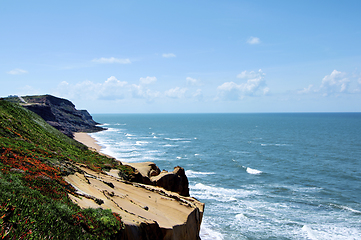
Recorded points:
(34, 202)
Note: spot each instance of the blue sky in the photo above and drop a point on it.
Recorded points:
(184, 56)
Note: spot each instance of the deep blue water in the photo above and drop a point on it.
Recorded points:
(261, 176)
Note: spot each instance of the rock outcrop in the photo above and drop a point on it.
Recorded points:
(149, 173)
(148, 212)
(61, 114)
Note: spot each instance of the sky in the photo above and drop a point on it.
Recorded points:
(229, 56)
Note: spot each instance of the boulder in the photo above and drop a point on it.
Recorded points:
(175, 181)
(149, 173)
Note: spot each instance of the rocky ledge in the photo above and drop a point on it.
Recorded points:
(148, 212)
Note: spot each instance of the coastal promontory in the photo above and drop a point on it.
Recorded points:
(53, 186)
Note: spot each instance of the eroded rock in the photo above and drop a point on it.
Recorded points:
(148, 212)
(149, 173)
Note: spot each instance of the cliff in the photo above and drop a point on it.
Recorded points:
(55, 187)
(148, 212)
(59, 113)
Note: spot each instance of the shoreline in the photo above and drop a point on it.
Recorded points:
(88, 141)
(144, 209)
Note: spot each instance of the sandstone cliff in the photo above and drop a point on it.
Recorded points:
(148, 212)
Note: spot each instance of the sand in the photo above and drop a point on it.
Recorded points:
(87, 140)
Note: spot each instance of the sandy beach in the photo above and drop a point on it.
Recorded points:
(87, 140)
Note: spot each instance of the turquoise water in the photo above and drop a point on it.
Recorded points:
(261, 176)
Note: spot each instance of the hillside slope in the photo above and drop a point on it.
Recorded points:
(54, 187)
(34, 200)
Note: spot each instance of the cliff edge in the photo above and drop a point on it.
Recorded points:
(59, 113)
(148, 212)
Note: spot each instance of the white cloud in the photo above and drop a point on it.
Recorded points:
(255, 85)
(251, 74)
(265, 90)
(142, 91)
(253, 40)
(198, 94)
(139, 91)
(306, 90)
(83, 90)
(336, 82)
(17, 71)
(176, 92)
(111, 89)
(147, 80)
(112, 60)
(193, 81)
(168, 55)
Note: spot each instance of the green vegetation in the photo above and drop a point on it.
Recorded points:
(34, 202)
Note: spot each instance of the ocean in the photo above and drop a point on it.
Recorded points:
(261, 176)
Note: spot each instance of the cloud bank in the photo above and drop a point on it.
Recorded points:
(17, 71)
(114, 89)
(334, 84)
(254, 86)
(112, 60)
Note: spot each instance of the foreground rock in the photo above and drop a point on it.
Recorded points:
(148, 212)
(149, 173)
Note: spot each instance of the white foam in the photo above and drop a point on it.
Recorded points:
(345, 208)
(327, 231)
(178, 139)
(253, 171)
(108, 130)
(191, 173)
(206, 233)
(219, 194)
(274, 144)
(240, 217)
(170, 145)
(139, 143)
(309, 232)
